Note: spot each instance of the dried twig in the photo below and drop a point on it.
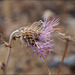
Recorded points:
(63, 56)
(67, 38)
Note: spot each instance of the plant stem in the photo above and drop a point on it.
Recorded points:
(49, 71)
(7, 60)
(8, 56)
(9, 51)
(66, 47)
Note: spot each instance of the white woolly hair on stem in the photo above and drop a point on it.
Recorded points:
(9, 50)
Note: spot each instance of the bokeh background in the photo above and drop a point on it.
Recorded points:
(18, 13)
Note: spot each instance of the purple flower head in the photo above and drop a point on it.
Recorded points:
(39, 37)
(45, 44)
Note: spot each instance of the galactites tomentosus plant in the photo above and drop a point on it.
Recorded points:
(37, 36)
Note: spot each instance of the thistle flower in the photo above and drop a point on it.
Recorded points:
(44, 43)
(38, 36)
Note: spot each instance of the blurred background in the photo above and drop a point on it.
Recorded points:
(18, 13)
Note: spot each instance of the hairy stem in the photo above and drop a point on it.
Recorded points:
(7, 59)
(9, 51)
(65, 51)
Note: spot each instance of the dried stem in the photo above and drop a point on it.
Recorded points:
(63, 56)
